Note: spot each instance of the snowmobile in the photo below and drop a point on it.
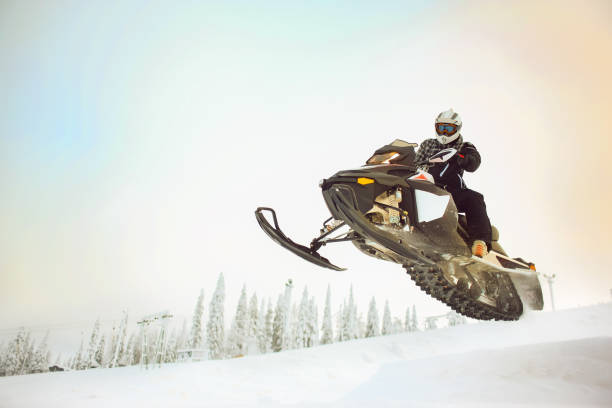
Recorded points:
(392, 209)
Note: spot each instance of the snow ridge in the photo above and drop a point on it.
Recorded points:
(545, 359)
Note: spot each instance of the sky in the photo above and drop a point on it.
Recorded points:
(137, 139)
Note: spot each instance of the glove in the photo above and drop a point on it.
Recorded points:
(468, 158)
(463, 161)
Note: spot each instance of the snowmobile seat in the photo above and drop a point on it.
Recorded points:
(462, 230)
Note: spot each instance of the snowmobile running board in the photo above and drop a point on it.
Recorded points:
(279, 237)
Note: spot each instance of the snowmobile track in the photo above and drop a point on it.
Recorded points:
(432, 281)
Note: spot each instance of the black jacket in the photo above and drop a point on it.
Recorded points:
(470, 161)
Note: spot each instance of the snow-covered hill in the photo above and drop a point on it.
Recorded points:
(545, 359)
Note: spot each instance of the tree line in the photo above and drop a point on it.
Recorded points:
(258, 327)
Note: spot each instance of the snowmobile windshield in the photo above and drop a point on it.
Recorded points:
(384, 158)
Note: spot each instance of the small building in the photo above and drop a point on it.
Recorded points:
(190, 355)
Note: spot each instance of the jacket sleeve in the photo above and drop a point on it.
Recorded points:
(424, 151)
(472, 157)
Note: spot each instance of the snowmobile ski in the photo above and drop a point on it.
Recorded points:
(278, 236)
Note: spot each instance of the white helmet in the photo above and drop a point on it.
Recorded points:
(448, 125)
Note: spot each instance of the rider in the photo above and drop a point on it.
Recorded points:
(448, 124)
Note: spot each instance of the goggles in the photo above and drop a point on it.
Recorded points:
(446, 129)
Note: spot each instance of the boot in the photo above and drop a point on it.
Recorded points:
(479, 248)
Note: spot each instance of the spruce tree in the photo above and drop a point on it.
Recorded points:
(80, 360)
(170, 355)
(131, 355)
(112, 346)
(2, 357)
(312, 325)
(415, 321)
(40, 357)
(372, 325)
(278, 325)
(216, 327)
(196, 336)
(327, 335)
(288, 338)
(387, 325)
(118, 342)
(253, 325)
(407, 320)
(29, 354)
(90, 360)
(237, 340)
(340, 324)
(269, 327)
(262, 340)
(302, 332)
(17, 354)
(293, 327)
(99, 356)
(397, 326)
(350, 318)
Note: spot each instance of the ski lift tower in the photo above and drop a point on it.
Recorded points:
(160, 319)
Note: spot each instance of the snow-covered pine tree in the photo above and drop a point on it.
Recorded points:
(170, 355)
(414, 326)
(293, 326)
(29, 354)
(90, 359)
(269, 327)
(69, 363)
(17, 354)
(340, 323)
(80, 361)
(262, 343)
(287, 332)
(99, 357)
(302, 332)
(237, 339)
(253, 326)
(350, 318)
(30, 360)
(132, 353)
(112, 346)
(397, 325)
(119, 342)
(215, 327)
(278, 325)
(387, 324)
(196, 336)
(2, 358)
(406, 326)
(327, 335)
(40, 358)
(361, 323)
(372, 325)
(312, 324)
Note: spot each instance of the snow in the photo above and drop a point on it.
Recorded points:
(545, 359)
